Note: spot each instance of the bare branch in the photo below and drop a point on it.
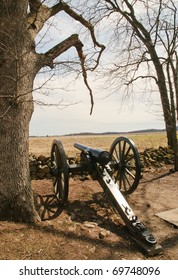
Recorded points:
(73, 41)
(82, 59)
(57, 8)
(61, 105)
(39, 14)
(42, 13)
(88, 25)
(141, 77)
(34, 5)
(48, 58)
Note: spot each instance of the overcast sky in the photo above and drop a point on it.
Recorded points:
(110, 113)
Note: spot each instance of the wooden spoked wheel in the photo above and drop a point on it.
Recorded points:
(59, 171)
(125, 164)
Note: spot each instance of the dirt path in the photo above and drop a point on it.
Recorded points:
(88, 228)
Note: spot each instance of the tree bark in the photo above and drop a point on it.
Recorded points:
(169, 117)
(17, 71)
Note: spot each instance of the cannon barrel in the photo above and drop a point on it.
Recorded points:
(101, 156)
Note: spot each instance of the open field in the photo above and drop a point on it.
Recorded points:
(42, 145)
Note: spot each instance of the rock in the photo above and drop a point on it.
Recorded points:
(150, 158)
(41, 158)
(72, 228)
(92, 250)
(72, 216)
(33, 168)
(44, 169)
(90, 224)
(103, 234)
(99, 222)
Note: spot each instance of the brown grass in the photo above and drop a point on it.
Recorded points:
(75, 232)
(42, 145)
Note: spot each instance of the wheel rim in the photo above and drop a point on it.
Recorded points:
(59, 171)
(125, 164)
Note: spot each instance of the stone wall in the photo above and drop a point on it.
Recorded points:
(40, 166)
(157, 157)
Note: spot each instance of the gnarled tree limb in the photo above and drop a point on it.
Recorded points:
(47, 58)
(34, 5)
(39, 14)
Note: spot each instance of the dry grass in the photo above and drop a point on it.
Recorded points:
(67, 236)
(42, 145)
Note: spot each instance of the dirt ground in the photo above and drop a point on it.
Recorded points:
(89, 228)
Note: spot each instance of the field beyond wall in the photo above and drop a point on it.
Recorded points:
(42, 145)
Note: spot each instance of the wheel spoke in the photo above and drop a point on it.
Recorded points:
(130, 173)
(126, 181)
(127, 168)
(127, 153)
(59, 163)
(123, 151)
(117, 155)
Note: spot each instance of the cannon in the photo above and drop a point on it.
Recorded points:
(118, 172)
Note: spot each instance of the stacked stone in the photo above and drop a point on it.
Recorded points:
(39, 167)
(157, 157)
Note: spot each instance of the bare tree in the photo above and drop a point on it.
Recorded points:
(144, 40)
(20, 23)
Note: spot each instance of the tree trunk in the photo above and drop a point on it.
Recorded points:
(16, 197)
(168, 117)
(17, 72)
(161, 82)
(168, 107)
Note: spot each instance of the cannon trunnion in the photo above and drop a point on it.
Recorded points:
(118, 173)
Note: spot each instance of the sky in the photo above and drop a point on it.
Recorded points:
(105, 118)
(110, 113)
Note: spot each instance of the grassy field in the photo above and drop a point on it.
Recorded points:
(42, 145)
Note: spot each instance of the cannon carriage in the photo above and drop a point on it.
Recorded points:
(118, 172)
